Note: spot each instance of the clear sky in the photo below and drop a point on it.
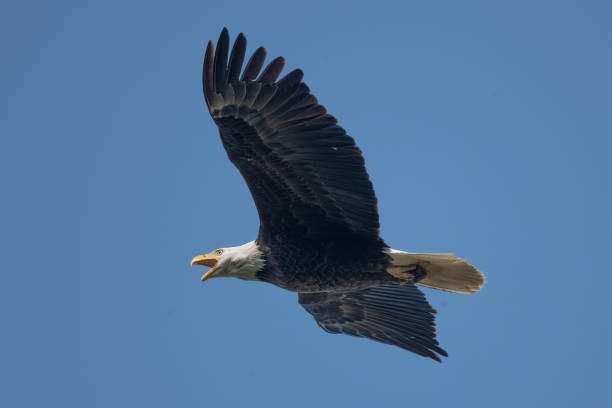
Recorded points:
(486, 128)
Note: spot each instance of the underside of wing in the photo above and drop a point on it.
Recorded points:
(305, 173)
(392, 314)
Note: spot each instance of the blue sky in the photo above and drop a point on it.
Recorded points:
(486, 129)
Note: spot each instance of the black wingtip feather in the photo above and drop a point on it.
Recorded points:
(254, 65)
(272, 71)
(292, 78)
(207, 73)
(220, 72)
(236, 58)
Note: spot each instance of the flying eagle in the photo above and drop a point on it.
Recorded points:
(319, 229)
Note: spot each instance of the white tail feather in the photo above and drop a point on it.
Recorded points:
(444, 271)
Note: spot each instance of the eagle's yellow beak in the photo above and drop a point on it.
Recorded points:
(206, 260)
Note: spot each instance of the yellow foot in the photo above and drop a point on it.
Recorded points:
(409, 273)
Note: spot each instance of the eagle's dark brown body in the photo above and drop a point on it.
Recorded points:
(300, 265)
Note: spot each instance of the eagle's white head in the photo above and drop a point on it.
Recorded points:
(241, 262)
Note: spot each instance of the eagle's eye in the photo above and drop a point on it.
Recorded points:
(219, 252)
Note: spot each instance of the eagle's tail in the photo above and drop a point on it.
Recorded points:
(438, 271)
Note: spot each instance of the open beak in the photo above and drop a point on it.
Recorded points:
(205, 260)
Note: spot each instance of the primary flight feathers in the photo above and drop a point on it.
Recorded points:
(287, 143)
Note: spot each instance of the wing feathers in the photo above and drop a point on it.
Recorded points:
(299, 165)
(240, 91)
(220, 73)
(392, 314)
(291, 79)
(272, 71)
(254, 65)
(252, 92)
(265, 94)
(237, 58)
(207, 73)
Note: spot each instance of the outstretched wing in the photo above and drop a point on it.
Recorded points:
(392, 314)
(305, 173)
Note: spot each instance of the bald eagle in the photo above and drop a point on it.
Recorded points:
(319, 228)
